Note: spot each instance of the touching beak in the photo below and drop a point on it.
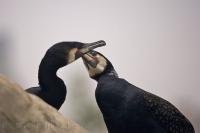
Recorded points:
(90, 46)
(87, 57)
(83, 48)
(89, 60)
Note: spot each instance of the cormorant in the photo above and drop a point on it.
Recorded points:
(129, 109)
(51, 88)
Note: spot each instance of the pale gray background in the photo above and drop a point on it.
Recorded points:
(154, 44)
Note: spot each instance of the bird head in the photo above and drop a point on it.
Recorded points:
(66, 52)
(97, 64)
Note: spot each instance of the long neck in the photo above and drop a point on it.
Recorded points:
(110, 71)
(53, 88)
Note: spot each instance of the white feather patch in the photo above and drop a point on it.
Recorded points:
(99, 68)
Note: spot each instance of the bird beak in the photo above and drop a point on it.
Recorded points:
(85, 53)
(88, 59)
(90, 46)
(85, 48)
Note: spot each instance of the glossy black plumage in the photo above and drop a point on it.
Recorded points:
(129, 109)
(51, 88)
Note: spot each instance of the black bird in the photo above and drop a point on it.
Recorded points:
(129, 109)
(51, 88)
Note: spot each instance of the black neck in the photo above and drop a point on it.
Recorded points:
(53, 88)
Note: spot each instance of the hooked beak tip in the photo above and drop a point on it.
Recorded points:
(90, 46)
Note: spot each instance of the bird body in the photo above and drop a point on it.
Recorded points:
(129, 109)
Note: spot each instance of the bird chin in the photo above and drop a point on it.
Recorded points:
(89, 61)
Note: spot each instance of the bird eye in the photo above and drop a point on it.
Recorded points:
(93, 53)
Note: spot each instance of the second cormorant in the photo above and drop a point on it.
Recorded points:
(129, 109)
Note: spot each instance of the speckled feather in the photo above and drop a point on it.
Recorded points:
(167, 115)
(137, 110)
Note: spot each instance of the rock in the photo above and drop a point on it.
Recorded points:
(21, 112)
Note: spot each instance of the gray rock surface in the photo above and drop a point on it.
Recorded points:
(21, 112)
